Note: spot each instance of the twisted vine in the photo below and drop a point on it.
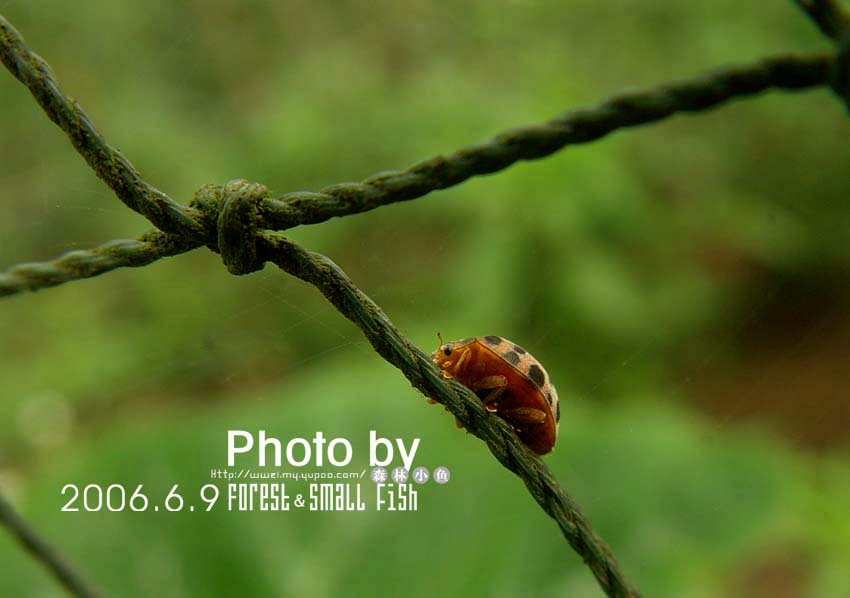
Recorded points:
(229, 211)
(786, 72)
(417, 367)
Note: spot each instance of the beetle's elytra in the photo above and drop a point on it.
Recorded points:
(509, 381)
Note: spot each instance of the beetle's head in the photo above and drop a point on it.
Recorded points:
(447, 354)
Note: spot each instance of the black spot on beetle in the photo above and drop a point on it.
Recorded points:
(493, 340)
(512, 357)
(558, 412)
(519, 349)
(537, 375)
(549, 398)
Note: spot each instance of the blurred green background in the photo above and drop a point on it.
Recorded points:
(685, 285)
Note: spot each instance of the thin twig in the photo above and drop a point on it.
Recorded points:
(828, 15)
(86, 263)
(834, 21)
(44, 552)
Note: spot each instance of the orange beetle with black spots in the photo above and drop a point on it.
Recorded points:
(509, 381)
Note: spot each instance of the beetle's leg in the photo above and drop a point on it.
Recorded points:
(431, 401)
(526, 415)
(496, 385)
(460, 363)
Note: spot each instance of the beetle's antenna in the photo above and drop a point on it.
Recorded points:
(440, 336)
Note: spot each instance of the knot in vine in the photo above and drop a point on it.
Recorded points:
(230, 215)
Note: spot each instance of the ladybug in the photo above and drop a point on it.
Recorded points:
(509, 381)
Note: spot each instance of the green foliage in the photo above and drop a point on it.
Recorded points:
(633, 268)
